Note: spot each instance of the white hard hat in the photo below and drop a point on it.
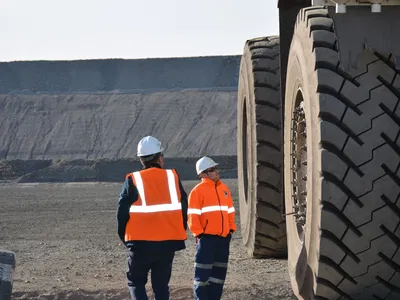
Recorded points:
(204, 163)
(148, 146)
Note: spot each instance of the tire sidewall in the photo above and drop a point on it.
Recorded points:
(302, 260)
(246, 203)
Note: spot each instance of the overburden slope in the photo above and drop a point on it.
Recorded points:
(70, 117)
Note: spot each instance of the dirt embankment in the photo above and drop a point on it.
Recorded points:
(81, 120)
(104, 170)
(89, 127)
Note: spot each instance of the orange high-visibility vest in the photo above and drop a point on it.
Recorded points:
(211, 209)
(157, 213)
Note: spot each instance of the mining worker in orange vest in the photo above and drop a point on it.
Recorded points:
(152, 221)
(211, 219)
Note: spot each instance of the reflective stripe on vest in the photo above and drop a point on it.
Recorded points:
(174, 205)
(207, 209)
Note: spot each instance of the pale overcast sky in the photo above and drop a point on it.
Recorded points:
(90, 29)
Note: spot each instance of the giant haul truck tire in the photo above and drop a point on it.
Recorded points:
(7, 267)
(259, 149)
(342, 160)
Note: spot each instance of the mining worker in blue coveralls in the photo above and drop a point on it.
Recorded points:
(152, 221)
(211, 219)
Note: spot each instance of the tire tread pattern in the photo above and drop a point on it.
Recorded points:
(270, 235)
(359, 255)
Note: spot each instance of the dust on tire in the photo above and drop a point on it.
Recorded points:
(259, 149)
(352, 237)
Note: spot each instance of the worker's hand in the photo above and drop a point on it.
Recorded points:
(122, 244)
(198, 238)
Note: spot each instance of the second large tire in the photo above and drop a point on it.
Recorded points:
(342, 162)
(259, 149)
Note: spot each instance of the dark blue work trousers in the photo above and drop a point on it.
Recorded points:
(140, 264)
(211, 263)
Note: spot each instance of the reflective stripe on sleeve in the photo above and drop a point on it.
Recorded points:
(194, 211)
(231, 210)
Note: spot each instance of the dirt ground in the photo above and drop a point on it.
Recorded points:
(66, 245)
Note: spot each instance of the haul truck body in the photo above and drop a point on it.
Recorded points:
(319, 147)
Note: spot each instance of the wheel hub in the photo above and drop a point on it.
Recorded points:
(299, 167)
